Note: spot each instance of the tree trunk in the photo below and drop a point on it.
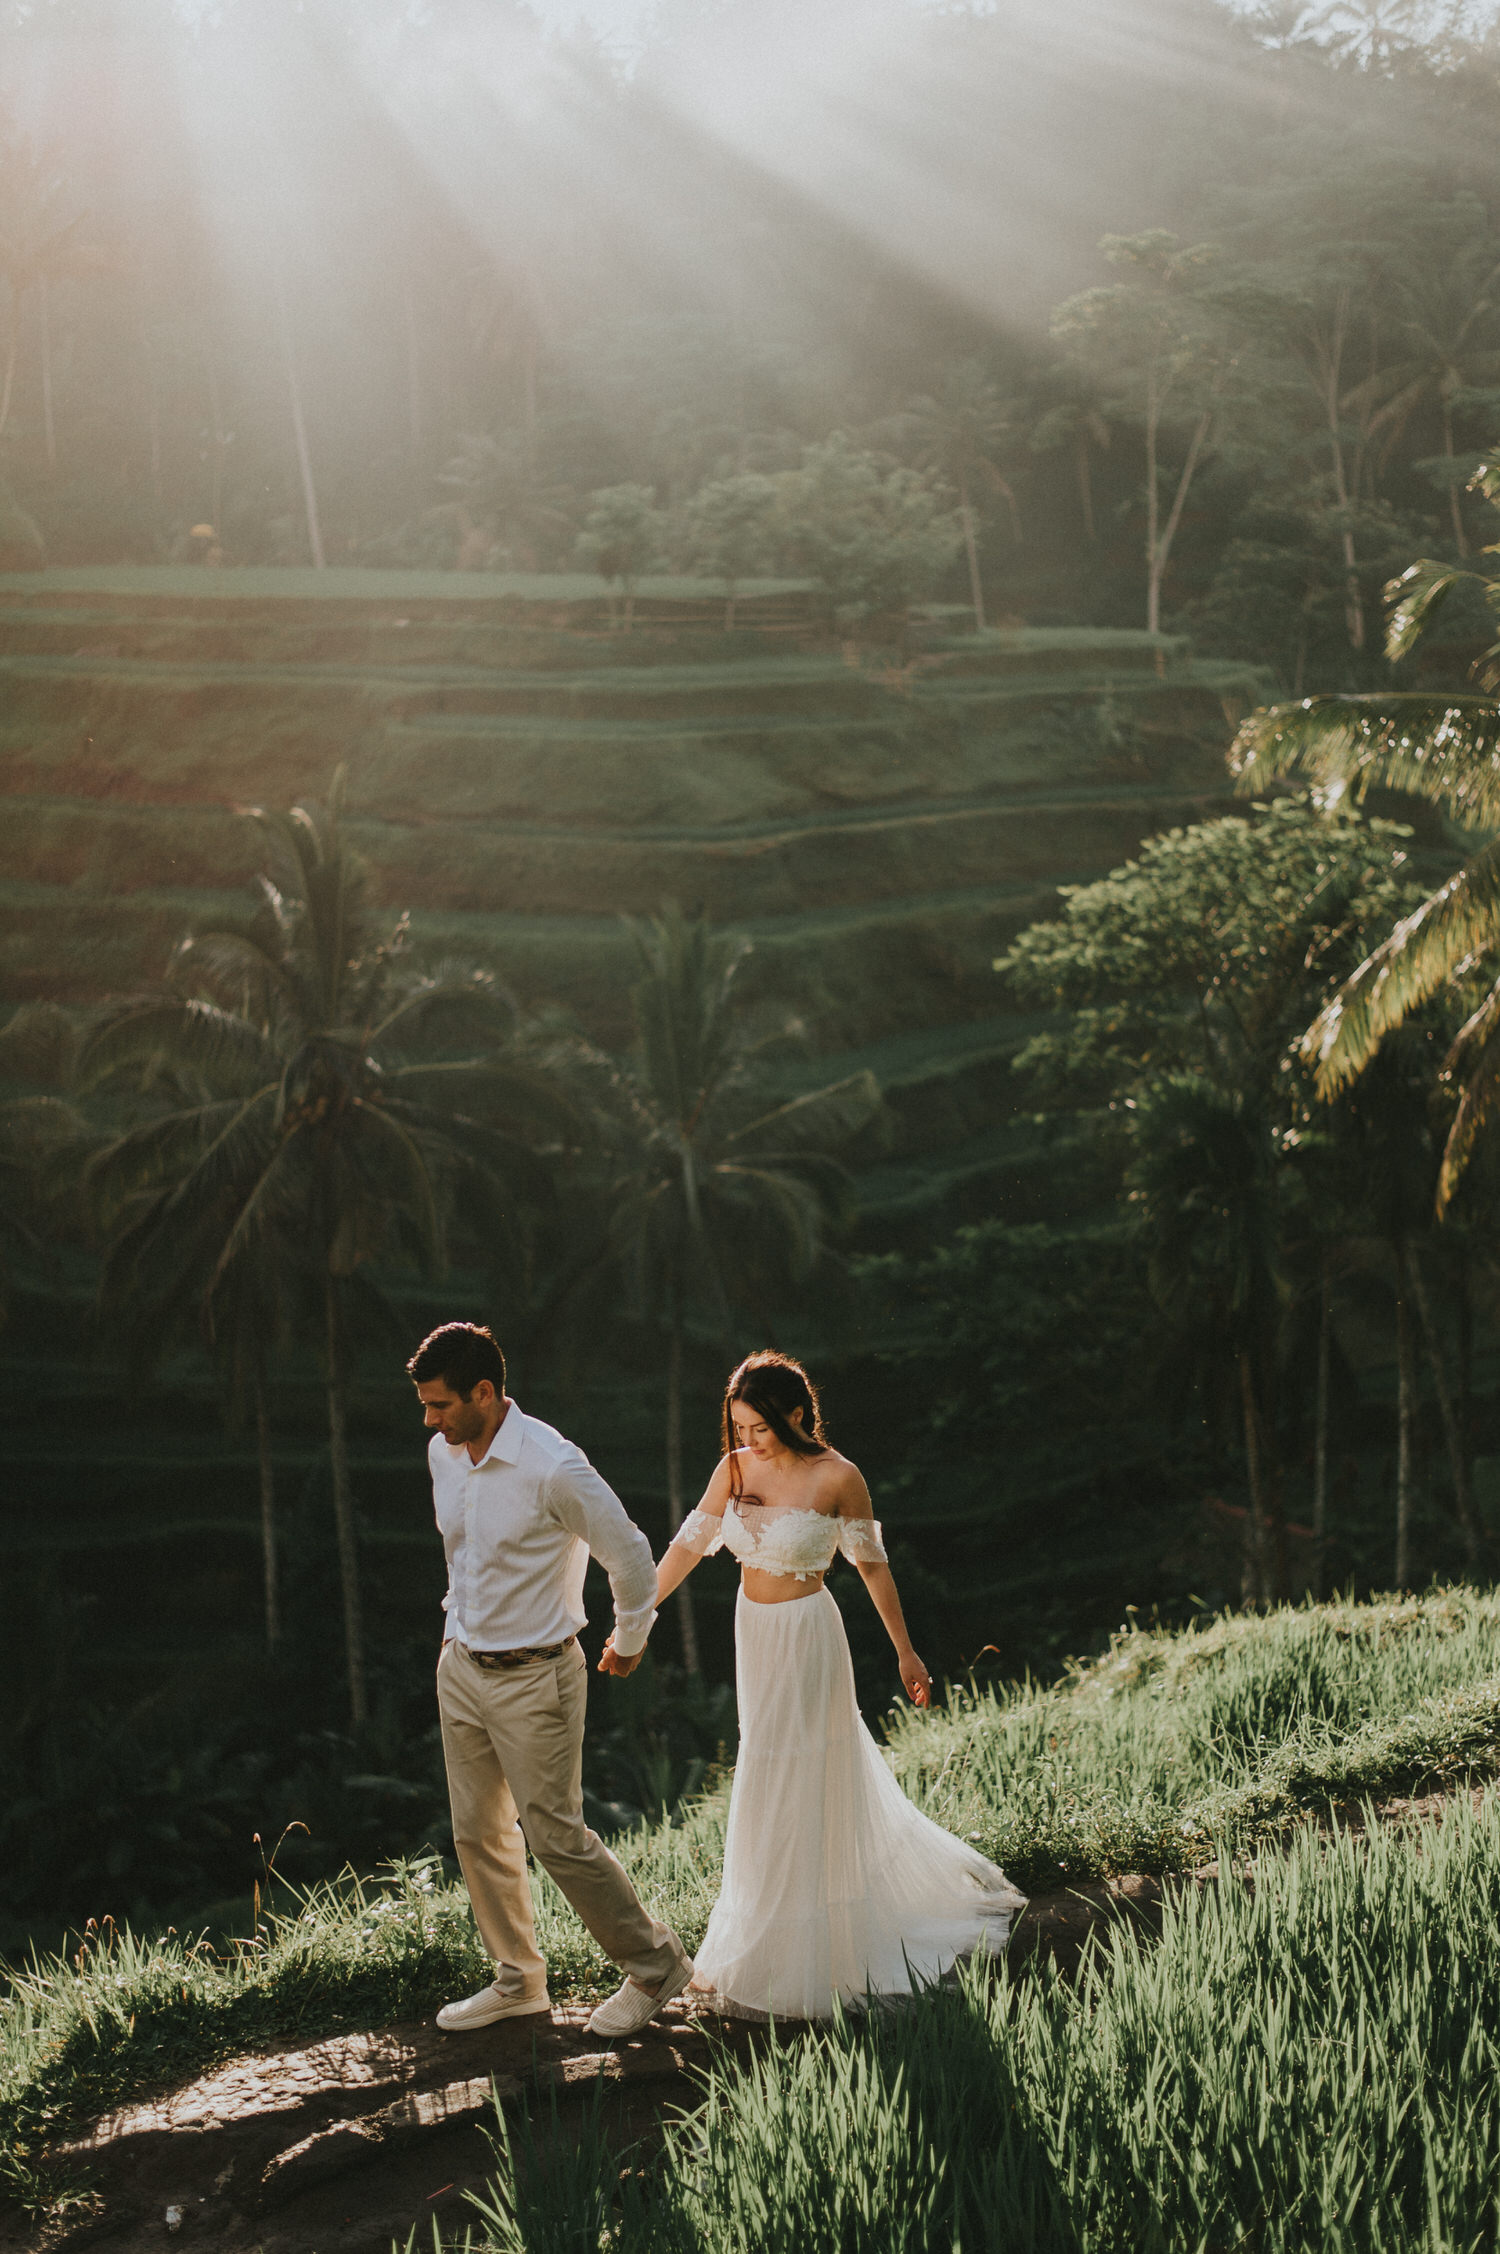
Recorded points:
(413, 367)
(1320, 1433)
(1153, 509)
(343, 1512)
(1333, 361)
(216, 458)
(7, 389)
(153, 411)
(971, 550)
(1458, 1462)
(49, 428)
(1253, 1582)
(674, 1481)
(299, 425)
(1406, 1393)
(267, 1512)
(1162, 543)
(1455, 509)
(1085, 488)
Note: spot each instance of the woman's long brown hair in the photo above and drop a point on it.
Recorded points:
(775, 1387)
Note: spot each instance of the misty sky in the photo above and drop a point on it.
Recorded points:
(622, 22)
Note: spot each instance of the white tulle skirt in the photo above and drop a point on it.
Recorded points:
(834, 1884)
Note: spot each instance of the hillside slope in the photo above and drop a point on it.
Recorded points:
(293, 2094)
(519, 779)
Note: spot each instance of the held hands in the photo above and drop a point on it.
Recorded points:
(915, 1677)
(612, 1662)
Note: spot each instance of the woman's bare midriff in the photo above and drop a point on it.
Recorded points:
(778, 1588)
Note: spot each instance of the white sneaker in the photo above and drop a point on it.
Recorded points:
(490, 2004)
(627, 2011)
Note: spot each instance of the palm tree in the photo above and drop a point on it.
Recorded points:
(1077, 423)
(1447, 322)
(1434, 746)
(1373, 33)
(509, 496)
(305, 1132)
(1204, 1178)
(723, 1186)
(958, 433)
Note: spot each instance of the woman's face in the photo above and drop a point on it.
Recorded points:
(752, 1432)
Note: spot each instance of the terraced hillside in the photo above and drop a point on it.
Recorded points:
(520, 775)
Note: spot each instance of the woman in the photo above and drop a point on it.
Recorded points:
(834, 1884)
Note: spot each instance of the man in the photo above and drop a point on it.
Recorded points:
(519, 1509)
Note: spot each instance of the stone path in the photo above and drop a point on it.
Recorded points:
(341, 2146)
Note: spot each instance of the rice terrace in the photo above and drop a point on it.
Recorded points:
(749, 1147)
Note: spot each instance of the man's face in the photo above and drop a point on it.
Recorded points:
(457, 1417)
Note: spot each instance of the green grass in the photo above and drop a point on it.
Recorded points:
(1166, 1750)
(1173, 1744)
(1306, 2068)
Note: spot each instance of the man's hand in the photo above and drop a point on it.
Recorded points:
(612, 1662)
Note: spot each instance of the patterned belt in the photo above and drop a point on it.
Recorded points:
(520, 1657)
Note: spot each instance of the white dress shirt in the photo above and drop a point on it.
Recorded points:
(518, 1527)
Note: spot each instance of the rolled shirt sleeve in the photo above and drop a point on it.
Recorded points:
(590, 1509)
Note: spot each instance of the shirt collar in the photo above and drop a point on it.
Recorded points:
(508, 1442)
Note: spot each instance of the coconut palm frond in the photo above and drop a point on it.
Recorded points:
(412, 1191)
(769, 1199)
(1446, 749)
(1478, 1109)
(1415, 599)
(161, 1154)
(1475, 1032)
(239, 971)
(684, 1004)
(814, 1121)
(214, 1046)
(1459, 923)
(457, 1005)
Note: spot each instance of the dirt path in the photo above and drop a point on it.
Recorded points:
(338, 2147)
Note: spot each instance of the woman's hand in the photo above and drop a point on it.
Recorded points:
(916, 1678)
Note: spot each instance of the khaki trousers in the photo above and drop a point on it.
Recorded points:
(513, 1745)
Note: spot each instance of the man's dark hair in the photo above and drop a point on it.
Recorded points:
(460, 1354)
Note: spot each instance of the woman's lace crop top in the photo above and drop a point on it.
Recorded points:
(798, 1543)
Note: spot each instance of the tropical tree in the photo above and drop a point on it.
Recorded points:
(730, 531)
(508, 496)
(1377, 34)
(1446, 307)
(1076, 423)
(959, 433)
(1188, 976)
(319, 1100)
(723, 1185)
(1158, 344)
(1431, 745)
(874, 537)
(621, 537)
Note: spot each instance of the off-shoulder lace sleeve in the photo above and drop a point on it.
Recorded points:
(859, 1539)
(700, 1532)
